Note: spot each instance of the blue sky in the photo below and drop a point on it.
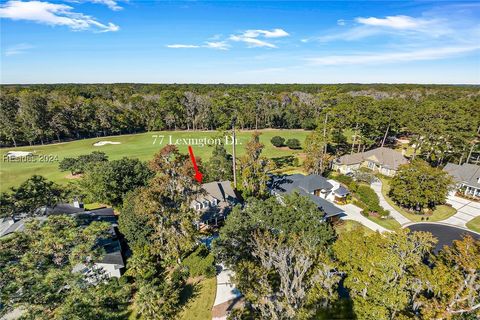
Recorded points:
(94, 41)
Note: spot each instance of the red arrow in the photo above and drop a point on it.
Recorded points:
(198, 174)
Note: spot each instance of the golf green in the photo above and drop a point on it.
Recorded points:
(142, 146)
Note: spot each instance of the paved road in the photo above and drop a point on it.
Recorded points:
(466, 211)
(445, 234)
(377, 187)
(354, 213)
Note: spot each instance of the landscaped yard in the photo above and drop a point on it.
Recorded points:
(200, 305)
(441, 212)
(390, 224)
(200, 296)
(474, 224)
(140, 146)
(348, 225)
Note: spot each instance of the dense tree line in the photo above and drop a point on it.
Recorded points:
(442, 120)
(290, 267)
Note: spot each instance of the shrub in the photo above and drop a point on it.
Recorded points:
(200, 263)
(293, 144)
(278, 141)
(351, 184)
(366, 195)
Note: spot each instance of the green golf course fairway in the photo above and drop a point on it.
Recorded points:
(139, 146)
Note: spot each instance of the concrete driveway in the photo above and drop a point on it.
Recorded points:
(227, 296)
(466, 211)
(377, 187)
(353, 212)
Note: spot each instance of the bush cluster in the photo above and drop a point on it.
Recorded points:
(293, 144)
(278, 141)
(366, 195)
(200, 263)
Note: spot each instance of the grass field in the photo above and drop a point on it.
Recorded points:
(139, 146)
(349, 225)
(441, 212)
(390, 223)
(474, 224)
(200, 306)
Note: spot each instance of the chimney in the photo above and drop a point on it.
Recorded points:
(77, 203)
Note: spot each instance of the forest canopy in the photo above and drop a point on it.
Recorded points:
(444, 120)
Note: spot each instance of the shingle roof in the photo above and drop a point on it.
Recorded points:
(466, 173)
(220, 190)
(314, 182)
(291, 183)
(387, 157)
(341, 191)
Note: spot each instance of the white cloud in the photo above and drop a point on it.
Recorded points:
(220, 45)
(18, 49)
(395, 22)
(341, 22)
(275, 33)
(112, 4)
(182, 46)
(252, 42)
(393, 57)
(52, 14)
(251, 37)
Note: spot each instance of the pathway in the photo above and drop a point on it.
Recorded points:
(227, 295)
(466, 211)
(377, 187)
(353, 212)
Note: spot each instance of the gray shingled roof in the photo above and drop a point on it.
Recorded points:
(220, 190)
(341, 191)
(466, 173)
(291, 183)
(387, 157)
(314, 182)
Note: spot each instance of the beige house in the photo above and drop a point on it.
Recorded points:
(383, 160)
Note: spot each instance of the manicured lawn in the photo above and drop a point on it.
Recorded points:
(474, 224)
(134, 146)
(200, 298)
(200, 305)
(349, 225)
(441, 212)
(390, 224)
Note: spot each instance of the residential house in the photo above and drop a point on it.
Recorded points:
(383, 160)
(112, 262)
(466, 177)
(320, 190)
(215, 202)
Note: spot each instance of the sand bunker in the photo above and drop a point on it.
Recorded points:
(103, 143)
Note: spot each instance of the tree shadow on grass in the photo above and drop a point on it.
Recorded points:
(285, 161)
(189, 292)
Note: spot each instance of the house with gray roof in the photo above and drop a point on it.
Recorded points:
(466, 177)
(315, 187)
(383, 160)
(112, 262)
(214, 202)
